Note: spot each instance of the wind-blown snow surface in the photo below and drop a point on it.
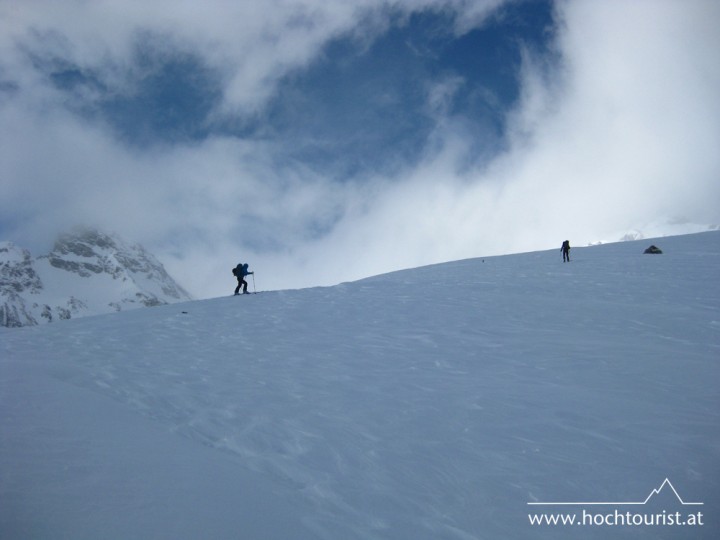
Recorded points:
(423, 404)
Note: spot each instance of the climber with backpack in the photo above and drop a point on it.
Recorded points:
(566, 250)
(240, 271)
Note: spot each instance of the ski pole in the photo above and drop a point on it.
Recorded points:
(254, 290)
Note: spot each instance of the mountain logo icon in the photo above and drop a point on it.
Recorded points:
(666, 485)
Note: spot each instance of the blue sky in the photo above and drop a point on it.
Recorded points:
(326, 141)
(351, 109)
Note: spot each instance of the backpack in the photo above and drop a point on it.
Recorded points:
(236, 270)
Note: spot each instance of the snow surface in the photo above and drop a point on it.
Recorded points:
(432, 403)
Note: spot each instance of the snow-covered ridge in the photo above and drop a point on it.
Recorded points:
(86, 273)
(424, 404)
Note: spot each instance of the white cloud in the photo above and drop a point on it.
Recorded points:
(632, 135)
(622, 138)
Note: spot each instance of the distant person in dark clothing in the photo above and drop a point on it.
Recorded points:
(566, 250)
(240, 271)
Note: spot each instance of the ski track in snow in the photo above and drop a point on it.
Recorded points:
(428, 403)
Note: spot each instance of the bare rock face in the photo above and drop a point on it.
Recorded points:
(653, 250)
(17, 278)
(87, 273)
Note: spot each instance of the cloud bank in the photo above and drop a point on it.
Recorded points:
(323, 142)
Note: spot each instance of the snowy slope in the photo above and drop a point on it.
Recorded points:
(433, 403)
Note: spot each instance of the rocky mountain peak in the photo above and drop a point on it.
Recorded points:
(16, 270)
(87, 272)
